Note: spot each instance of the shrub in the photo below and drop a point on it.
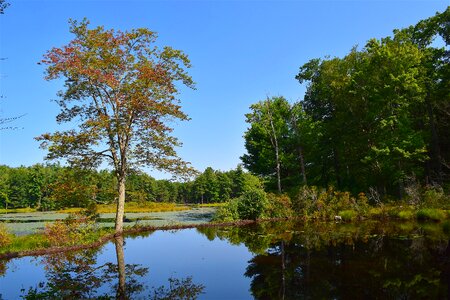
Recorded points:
(431, 214)
(5, 236)
(377, 212)
(306, 201)
(406, 214)
(228, 212)
(252, 205)
(74, 229)
(434, 196)
(362, 204)
(325, 204)
(279, 206)
(348, 215)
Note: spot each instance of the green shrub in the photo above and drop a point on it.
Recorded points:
(279, 206)
(405, 214)
(5, 236)
(252, 205)
(362, 204)
(75, 229)
(348, 215)
(325, 204)
(305, 203)
(376, 212)
(434, 197)
(228, 212)
(431, 214)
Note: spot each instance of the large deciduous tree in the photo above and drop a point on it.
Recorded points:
(266, 139)
(121, 95)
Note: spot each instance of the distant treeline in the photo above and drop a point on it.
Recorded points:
(53, 186)
(377, 119)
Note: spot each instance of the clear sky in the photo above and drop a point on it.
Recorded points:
(241, 52)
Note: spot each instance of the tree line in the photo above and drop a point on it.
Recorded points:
(52, 186)
(375, 119)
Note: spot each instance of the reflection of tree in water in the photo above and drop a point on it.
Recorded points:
(352, 271)
(3, 266)
(178, 289)
(328, 260)
(77, 276)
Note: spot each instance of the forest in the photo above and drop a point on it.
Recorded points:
(376, 121)
(52, 186)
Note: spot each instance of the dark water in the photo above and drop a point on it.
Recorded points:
(283, 260)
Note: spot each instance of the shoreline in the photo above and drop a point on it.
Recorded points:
(106, 238)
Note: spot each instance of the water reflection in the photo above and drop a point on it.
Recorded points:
(78, 276)
(331, 261)
(287, 260)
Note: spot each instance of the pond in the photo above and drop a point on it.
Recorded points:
(269, 260)
(34, 222)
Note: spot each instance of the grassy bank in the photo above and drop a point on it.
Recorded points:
(312, 203)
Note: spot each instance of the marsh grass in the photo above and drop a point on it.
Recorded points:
(17, 210)
(211, 204)
(133, 207)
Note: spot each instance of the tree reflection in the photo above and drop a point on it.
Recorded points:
(352, 266)
(76, 275)
(328, 260)
(3, 266)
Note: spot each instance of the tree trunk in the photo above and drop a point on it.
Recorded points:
(337, 168)
(121, 268)
(436, 160)
(302, 165)
(120, 205)
(274, 141)
(278, 166)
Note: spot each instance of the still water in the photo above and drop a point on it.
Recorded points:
(282, 260)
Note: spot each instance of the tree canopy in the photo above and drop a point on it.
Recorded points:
(373, 119)
(120, 94)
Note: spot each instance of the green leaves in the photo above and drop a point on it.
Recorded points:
(121, 90)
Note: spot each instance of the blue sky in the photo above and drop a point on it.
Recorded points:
(241, 52)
